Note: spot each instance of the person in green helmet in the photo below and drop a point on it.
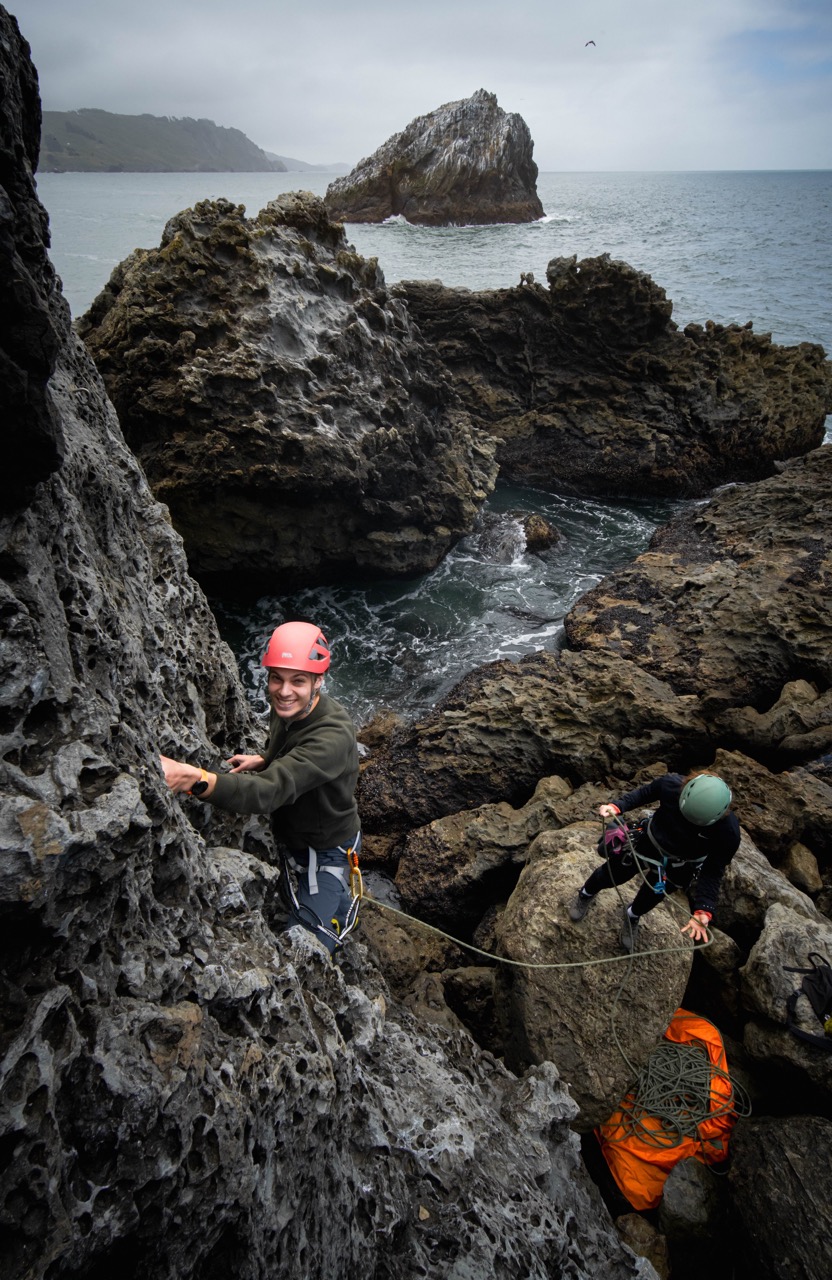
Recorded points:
(692, 831)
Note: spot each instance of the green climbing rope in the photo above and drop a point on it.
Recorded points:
(676, 1087)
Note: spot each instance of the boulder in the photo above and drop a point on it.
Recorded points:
(282, 403)
(732, 601)
(801, 868)
(750, 886)
(645, 1240)
(450, 871)
(586, 716)
(690, 1208)
(798, 724)
(778, 808)
(780, 1184)
(786, 940)
(467, 162)
(597, 1012)
(589, 386)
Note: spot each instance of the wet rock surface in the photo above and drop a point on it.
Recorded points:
(589, 386)
(282, 403)
(733, 602)
(467, 162)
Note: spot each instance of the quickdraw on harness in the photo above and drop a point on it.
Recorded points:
(334, 931)
(817, 988)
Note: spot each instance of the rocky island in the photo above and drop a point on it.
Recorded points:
(467, 162)
(188, 1093)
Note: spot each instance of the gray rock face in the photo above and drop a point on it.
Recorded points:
(29, 335)
(781, 1189)
(185, 1094)
(282, 403)
(589, 386)
(467, 162)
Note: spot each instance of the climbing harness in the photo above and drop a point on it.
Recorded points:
(817, 988)
(349, 876)
(664, 859)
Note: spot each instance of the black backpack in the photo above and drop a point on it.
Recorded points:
(817, 988)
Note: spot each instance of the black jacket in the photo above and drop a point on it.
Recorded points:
(683, 841)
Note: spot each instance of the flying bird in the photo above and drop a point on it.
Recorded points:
(590, 42)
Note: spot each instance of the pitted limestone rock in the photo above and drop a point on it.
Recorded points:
(282, 403)
(589, 386)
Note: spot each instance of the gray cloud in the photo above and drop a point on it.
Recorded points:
(719, 84)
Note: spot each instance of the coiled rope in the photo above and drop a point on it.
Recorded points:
(676, 1087)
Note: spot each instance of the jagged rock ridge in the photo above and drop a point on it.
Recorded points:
(467, 162)
(589, 386)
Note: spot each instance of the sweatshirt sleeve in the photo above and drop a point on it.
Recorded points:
(315, 759)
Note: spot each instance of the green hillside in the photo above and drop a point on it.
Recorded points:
(93, 141)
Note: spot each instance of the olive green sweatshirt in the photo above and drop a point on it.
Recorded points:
(307, 783)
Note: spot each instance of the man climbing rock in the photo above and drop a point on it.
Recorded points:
(692, 833)
(305, 779)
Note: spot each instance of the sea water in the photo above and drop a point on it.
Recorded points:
(729, 247)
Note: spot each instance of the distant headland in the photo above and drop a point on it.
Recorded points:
(94, 141)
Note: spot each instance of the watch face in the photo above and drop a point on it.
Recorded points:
(199, 787)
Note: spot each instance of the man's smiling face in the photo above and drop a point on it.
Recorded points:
(290, 692)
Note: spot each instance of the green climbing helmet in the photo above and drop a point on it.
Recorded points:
(704, 799)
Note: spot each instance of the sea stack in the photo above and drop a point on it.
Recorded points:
(467, 162)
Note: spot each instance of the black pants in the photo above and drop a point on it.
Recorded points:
(622, 867)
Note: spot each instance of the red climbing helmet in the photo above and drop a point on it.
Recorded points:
(300, 646)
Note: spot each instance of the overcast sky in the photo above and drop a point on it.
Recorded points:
(668, 84)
